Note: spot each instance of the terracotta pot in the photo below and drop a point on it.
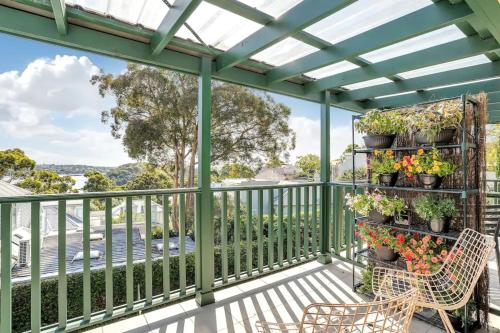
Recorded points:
(377, 217)
(379, 141)
(386, 254)
(444, 137)
(388, 179)
(439, 225)
(428, 181)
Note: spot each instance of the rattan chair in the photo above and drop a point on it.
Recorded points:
(391, 315)
(449, 288)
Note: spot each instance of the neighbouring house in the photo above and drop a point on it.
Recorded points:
(285, 172)
(344, 163)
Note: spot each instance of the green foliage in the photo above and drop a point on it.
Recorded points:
(157, 233)
(15, 164)
(308, 165)
(274, 162)
(236, 170)
(150, 179)
(381, 123)
(350, 147)
(432, 118)
(383, 162)
(360, 174)
(430, 207)
(366, 280)
(125, 173)
(46, 181)
(433, 163)
(386, 205)
(97, 182)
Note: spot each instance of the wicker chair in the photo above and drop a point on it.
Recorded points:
(449, 288)
(391, 315)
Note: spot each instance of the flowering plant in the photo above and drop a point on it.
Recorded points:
(384, 162)
(376, 237)
(424, 255)
(381, 123)
(435, 117)
(431, 207)
(385, 205)
(427, 163)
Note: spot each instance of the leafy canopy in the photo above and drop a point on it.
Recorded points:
(308, 165)
(150, 179)
(97, 182)
(15, 164)
(236, 170)
(46, 182)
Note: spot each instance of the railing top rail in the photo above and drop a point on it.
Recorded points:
(94, 195)
(263, 187)
(493, 194)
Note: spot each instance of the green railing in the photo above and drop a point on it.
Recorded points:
(257, 230)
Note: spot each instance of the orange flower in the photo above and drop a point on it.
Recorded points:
(420, 152)
(434, 260)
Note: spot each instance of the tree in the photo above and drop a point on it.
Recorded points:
(274, 162)
(126, 172)
(236, 170)
(308, 165)
(150, 179)
(46, 181)
(97, 182)
(14, 164)
(350, 148)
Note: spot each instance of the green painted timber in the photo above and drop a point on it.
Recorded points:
(488, 12)
(171, 23)
(59, 10)
(298, 233)
(289, 217)
(5, 273)
(205, 224)
(270, 226)
(182, 247)
(253, 14)
(166, 246)
(461, 75)
(314, 221)
(87, 305)
(237, 234)
(297, 18)
(223, 235)
(462, 48)
(435, 94)
(148, 269)
(280, 227)
(109, 255)
(424, 20)
(324, 244)
(306, 222)
(129, 243)
(494, 97)
(36, 307)
(62, 283)
(249, 233)
(260, 231)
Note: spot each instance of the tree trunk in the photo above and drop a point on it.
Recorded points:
(175, 221)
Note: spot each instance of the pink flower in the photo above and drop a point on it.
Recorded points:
(378, 197)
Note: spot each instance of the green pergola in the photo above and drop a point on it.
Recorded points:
(73, 24)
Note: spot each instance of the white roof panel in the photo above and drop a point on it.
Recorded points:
(447, 66)
(272, 7)
(285, 51)
(333, 69)
(369, 83)
(362, 16)
(430, 39)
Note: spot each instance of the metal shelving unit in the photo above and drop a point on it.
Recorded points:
(465, 192)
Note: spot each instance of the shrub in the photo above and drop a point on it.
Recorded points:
(430, 207)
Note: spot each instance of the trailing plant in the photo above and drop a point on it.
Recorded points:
(430, 207)
(431, 163)
(385, 205)
(376, 237)
(381, 123)
(433, 118)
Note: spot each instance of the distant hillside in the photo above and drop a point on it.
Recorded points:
(124, 173)
(72, 169)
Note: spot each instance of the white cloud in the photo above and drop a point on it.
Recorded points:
(308, 133)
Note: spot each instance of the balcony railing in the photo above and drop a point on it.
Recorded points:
(258, 230)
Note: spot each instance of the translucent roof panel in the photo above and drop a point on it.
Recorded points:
(447, 66)
(369, 83)
(272, 7)
(362, 16)
(337, 68)
(398, 94)
(462, 83)
(218, 27)
(285, 51)
(148, 13)
(430, 39)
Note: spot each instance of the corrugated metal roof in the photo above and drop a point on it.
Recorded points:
(10, 190)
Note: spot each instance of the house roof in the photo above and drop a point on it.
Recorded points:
(10, 190)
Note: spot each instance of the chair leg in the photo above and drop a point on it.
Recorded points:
(446, 321)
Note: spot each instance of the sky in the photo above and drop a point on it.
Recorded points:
(49, 109)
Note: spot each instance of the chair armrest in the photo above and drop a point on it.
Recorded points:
(388, 282)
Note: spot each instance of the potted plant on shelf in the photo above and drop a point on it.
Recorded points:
(376, 205)
(429, 167)
(423, 255)
(385, 167)
(436, 210)
(436, 123)
(384, 241)
(380, 128)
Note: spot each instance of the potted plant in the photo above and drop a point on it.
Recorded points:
(423, 255)
(380, 128)
(429, 167)
(436, 210)
(385, 167)
(376, 205)
(436, 123)
(383, 240)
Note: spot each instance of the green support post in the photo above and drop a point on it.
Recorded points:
(324, 246)
(205, 294)
(6, 274)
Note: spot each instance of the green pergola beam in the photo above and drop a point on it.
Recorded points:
(494, 97)
(430, 95)
(297, 18)
(424, 20)
(172, 22)
(467, 74)
(462, 48)
(59, 11)
(255, 15)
